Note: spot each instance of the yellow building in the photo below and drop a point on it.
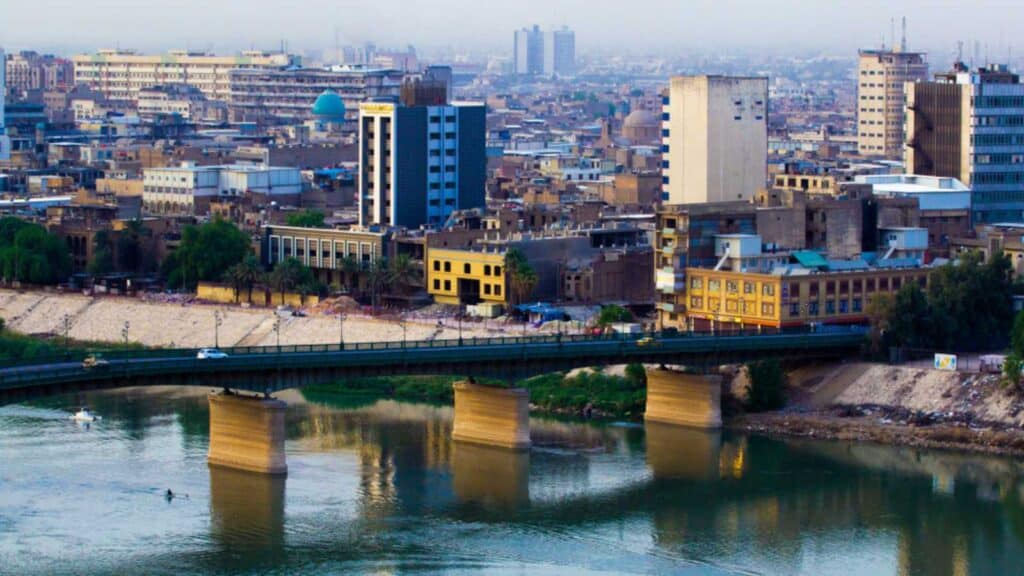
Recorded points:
(466, 276)
(724, 299)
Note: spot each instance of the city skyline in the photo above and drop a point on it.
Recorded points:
(652, 25)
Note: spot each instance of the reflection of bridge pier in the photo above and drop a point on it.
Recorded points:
(247, 433)
(683, 453)
(490, 476)
(247, 511)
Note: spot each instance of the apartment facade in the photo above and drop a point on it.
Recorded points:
(259, 94)
(419, 164)
(29, 71)
(188, 190)
(881, 75)
(969, 125)
(528, 51)
(324, 250)
(714, 139)
(466, 276)
(121, 74)
(560, 52)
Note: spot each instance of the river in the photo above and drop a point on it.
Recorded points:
(377, 487)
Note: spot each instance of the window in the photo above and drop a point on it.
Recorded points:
(447, 266)
(844, 306)
(497, 289)
(437, 284)
(447, 285)
(696, 302)
(467, 268)
(437, 265)
(767, 289)
(767, 309)
(696, 283)
(812, 309)
(748, 287)
(830, 307)
(731, 286)
(794, 310)
(487, 269)
(856, 305)
(714, 285)
(497, 270)
(487, 289)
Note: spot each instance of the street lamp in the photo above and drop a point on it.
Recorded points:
(67, 330)
(277, 332)
(124, 331)
(401, 321)
(341, 330)
(460, 324)
(217, 320)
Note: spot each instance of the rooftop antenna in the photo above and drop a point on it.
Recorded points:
(903, 36)
(960, 51)
(337, 45)
(892, 32)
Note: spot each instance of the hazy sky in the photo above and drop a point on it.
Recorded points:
(67, 26)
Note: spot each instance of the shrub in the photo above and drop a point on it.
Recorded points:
(767, 390)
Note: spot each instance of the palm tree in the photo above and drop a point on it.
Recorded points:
(350, 267)
(377, 276)
(522, 278)
(403, 274)
(245, 274)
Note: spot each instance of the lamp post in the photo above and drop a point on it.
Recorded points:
(341, 330)
(124, 331)
(277, 332)
(217, 320)
(460, 323)
(67, 330)
(401, 320)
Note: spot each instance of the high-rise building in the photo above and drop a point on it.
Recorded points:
(120, 74)
(30, 71)
(551, 53)
(714, 139)
(5, 141)
(560, 52)
(968, 125)
(418, 164)
(528, 50)
(881, 75)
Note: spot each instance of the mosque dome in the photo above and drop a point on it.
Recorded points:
(641, 119)
(329, 106)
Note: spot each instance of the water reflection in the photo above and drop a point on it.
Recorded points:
(247, 511)
(490, 476)
(380, 487)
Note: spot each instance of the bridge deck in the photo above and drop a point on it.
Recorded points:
(272, 368)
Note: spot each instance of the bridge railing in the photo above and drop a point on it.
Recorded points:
(77, 355)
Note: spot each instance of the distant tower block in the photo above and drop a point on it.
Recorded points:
(492, 416)
(684, 399)
(247, 433)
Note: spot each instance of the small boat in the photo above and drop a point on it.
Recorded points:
(84, 415)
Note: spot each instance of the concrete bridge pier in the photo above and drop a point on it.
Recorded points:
(247, 433)
(492, 416)
(684, 399)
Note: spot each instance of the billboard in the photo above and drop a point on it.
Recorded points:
(945, 362)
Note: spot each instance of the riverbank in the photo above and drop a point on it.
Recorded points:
(909, 406)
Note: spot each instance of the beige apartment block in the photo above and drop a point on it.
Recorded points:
(881, 75)
(714, 139)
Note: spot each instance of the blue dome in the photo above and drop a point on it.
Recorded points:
(329, 106)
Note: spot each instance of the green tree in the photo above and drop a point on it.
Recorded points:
(28, 253)
(403, 274)
(910, 318)
(377, 277)
(522, 278)
(102, 255)
(636, 374)
(351, 268)
(205, 252)
(289, 274)
(971, 302)
(767, 389)
(1012, 367)
(306, 219)
(131, 253)
(1017, 335)
(613, 314)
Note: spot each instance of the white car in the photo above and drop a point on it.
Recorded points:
(210, 354)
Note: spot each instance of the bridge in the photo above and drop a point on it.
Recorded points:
(247, 431)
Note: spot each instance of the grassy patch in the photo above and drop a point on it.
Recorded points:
(15, 347)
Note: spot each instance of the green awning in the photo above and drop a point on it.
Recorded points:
(809, 259)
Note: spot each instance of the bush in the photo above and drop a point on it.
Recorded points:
(767, 390)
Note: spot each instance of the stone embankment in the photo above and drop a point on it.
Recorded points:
(172, 322)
